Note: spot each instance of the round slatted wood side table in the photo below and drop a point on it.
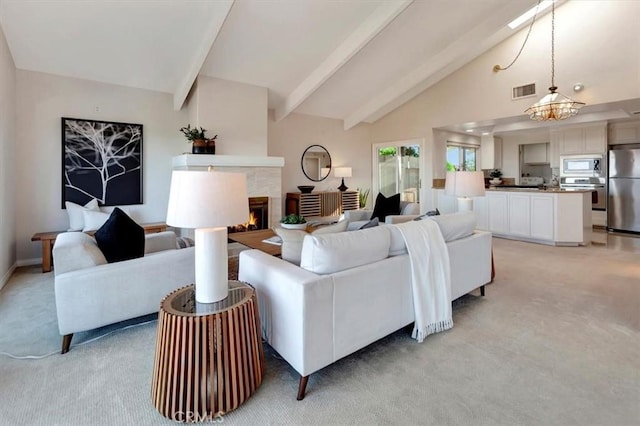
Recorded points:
(209, 356)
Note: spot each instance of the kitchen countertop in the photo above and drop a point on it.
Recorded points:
(554, 190)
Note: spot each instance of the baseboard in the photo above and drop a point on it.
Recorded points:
(5, 278)
(29, 262)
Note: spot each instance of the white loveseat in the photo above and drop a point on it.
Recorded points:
(91, 293)
(353, 288)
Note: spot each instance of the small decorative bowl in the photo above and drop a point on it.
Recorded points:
(305, 189)
(301, 226)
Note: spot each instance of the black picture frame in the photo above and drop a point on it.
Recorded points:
(101, 160)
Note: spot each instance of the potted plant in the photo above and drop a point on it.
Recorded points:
(200, 143)
(362, 198)
(495, 176)
(293, 221)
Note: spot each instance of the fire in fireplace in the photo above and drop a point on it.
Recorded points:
(258, 216)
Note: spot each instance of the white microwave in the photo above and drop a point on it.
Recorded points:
(582, 165)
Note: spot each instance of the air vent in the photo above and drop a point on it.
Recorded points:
(524, 91)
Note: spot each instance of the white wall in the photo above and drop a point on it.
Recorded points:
(289, 138)
(42, 99)
(8, 180)
(587, 50)
(236, 112)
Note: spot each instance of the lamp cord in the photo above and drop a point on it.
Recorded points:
(79, 344)
(553, 46)
(497, 68)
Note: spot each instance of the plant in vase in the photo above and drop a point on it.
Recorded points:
(495, 176)
(293, 221)
(200, 143)
(363, 196)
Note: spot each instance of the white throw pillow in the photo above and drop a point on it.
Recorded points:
(76, 218)
(455, 225)
(330, 229)
(329, 253)
(94, 220)
(291, 243)
(292, 239)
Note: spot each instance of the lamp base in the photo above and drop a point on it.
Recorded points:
(465, 204)
(212, 283)
(343, 187)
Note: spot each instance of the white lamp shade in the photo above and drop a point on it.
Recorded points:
(464, 184)
(342, 172)
(203, 199)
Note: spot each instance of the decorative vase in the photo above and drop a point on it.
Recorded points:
(301, 226)
(199, 146)
(211, 146)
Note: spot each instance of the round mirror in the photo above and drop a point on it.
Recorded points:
(316, 163)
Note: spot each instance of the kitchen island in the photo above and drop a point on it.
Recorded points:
(546, 216)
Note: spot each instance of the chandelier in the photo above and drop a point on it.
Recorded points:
(555, 105)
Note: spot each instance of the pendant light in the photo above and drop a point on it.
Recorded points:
(554, 106)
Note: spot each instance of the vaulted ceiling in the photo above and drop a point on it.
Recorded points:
(354, 60)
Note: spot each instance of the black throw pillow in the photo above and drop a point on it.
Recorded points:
(120, 238)
(386, 206)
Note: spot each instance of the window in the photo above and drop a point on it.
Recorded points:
(461, 158)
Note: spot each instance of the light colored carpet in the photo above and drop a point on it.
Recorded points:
(556, 341)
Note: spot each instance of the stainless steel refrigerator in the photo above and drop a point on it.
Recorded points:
(623, 201)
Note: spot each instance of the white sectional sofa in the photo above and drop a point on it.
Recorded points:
(353, 288)
(91, 293)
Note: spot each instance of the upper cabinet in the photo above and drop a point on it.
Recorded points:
(490, 153)
(585, 139)
(536, 153)
(626, 132)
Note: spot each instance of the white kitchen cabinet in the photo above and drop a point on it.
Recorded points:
(481, 209)
(626, 132)
(536, 153)
(490, 152)
(585, 139)
(498, 208)
(520, 214)
(445, 203)
(554, 150)
(542, 223)
(558, 218)
(595, 139)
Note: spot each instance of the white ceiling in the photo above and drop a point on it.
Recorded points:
(351, 59)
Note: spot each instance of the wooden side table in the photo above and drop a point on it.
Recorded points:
(209, 356)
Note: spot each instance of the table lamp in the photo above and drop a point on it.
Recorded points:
(208, 201)
(343, 172)
(464, 185)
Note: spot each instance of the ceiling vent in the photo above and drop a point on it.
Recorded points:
(523, 91)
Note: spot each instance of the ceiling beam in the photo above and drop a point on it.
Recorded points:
(193, 69)
(439, 66)
(376, 22)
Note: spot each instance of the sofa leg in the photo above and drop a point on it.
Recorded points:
(302, 386)
(482, 291)
(66, 342)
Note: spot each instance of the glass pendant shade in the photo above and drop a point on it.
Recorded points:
(554, 106)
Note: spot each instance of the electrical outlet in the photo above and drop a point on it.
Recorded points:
(97, 108)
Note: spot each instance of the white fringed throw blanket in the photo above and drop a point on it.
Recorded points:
(431, 277)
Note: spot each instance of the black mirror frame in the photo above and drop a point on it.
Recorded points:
(302, 163)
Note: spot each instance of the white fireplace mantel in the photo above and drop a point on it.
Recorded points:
(204, 160)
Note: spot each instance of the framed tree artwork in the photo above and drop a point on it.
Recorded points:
(101, 160)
